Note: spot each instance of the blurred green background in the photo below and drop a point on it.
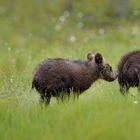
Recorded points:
(34, 30)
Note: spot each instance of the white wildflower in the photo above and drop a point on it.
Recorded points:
(9, 49)
(80, 24)
(62, 18)
(11, 80)
(135, 102)
(72, 39)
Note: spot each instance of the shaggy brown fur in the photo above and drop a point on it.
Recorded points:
(54, 77)
(129, 71)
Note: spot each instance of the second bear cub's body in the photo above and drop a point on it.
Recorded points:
(129, 71)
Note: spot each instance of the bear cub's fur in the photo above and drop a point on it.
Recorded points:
(129, 71)
(56, 77)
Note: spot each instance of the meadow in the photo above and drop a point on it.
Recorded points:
(27, 38)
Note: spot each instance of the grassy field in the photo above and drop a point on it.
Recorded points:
(100, 113)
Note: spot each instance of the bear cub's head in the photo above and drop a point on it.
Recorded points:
(103, 69)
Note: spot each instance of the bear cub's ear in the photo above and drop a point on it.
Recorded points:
(98, 58)
(90, 56)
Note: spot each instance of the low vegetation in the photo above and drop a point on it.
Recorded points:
(100, 113)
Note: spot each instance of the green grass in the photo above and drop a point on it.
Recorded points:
(27, 38)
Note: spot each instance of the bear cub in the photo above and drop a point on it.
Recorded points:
(58, 77)
(129, 71)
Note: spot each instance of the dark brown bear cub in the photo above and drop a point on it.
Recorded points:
(55, 77)
(129, 71)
